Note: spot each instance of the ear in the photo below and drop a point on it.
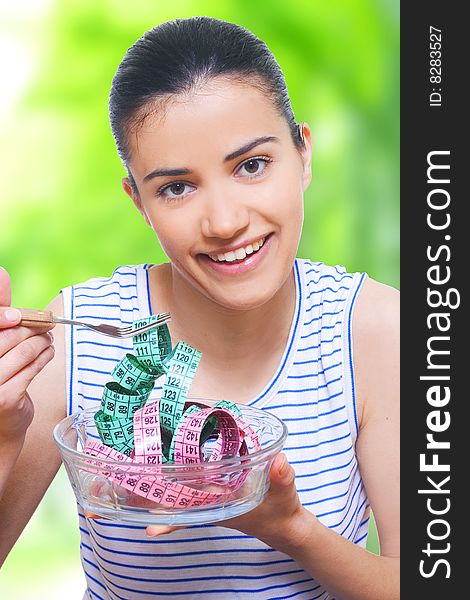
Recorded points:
(134, 196)
(306, 154)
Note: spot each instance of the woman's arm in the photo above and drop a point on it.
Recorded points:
(346, 570)
(39, 460)
(23, 353)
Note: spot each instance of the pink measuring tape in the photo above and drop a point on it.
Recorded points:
(154, 486)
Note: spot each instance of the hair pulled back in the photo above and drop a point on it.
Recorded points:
(177, 56)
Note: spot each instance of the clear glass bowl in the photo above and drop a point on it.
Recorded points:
(241, 481)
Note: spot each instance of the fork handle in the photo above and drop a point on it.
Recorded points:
(36, 318)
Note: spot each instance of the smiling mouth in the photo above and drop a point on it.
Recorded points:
(238, 255)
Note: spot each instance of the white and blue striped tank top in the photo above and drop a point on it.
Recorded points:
(312, 392)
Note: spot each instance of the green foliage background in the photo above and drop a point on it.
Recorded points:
(64, 217)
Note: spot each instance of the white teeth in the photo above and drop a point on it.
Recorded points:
(239, 253)
(230, 256)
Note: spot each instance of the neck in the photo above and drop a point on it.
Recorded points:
(221, 333)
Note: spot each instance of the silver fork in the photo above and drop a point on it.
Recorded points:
(42, 318)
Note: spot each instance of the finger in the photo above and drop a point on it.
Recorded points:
(19, 383)
(282, 473)
(5, 288)
(156, 530)
(9, 317)
(11, 337)
(22, 355)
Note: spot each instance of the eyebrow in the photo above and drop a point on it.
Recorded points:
(235, 154)
(250, 145)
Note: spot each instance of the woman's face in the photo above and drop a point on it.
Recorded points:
(221, 184)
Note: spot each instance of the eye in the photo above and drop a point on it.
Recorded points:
(175, 190)
(253, 167)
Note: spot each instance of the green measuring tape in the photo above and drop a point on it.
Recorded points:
(134, 377)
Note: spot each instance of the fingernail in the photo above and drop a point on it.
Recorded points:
(283, 467)
(12, 314)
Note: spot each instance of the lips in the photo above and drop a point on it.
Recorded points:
(238, 254)
(238, 266)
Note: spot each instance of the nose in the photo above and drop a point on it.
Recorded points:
(224, 216)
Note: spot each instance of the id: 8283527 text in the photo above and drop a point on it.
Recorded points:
(435, 66)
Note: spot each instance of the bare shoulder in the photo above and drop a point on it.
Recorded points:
(376, 340)
(377, 306)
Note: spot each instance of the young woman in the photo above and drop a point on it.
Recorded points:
(217, 166)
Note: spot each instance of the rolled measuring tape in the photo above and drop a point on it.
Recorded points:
(180, 365)
(157, 488)
(134, 379)
(131, 375)
(114, 420)
(120, 403)
(151, 347)
(148, 446)
(136, 374)
(117, 433)
(164, 431)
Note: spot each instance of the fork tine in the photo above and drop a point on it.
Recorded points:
(129, 331)
(161, 320)
(164, 318)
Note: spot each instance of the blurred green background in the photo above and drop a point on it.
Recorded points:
(64, 217)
